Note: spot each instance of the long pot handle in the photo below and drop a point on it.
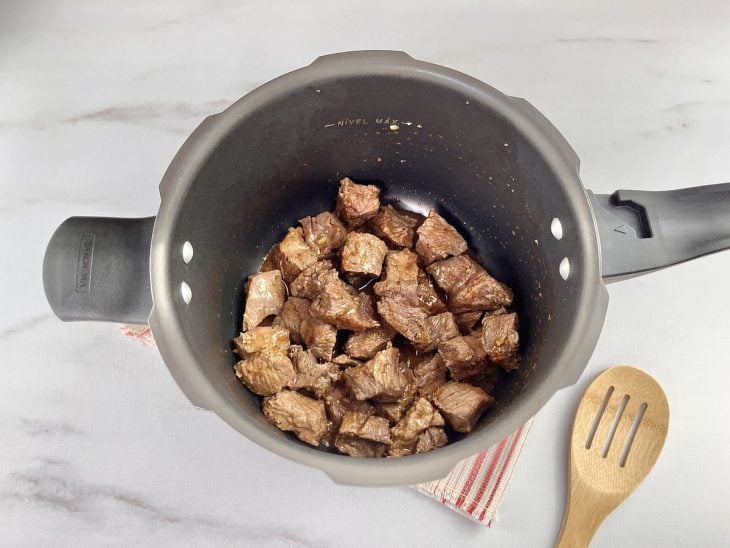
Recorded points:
(642, 231)
(98, 268)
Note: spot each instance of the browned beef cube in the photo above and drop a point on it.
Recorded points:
(272, 261)
(401, 276)
(440, 328)
(313, 279)
(406, 319)
(365, 426)
(467, 320)
(262, 339)
(295, 254)
(501, 339)
(437, 239)
(343, 360)
(294, 412)
(356, 447)
(469, 286)
(338, 402)
(323, 232)
(365, 344)
(417, 420)
(428, 298)
(340, 305)
(430, 374)
(461, 404)
(431, 439)
(363, 253)
(464, 356)
(265, 297)
(318, 336)
(357, 203)
(290, 317)
(487, 378)
(395, 225)
(394, 410)
(265, 373)
(311, 375)
(381, 378)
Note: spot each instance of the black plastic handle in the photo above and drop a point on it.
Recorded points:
(98, 268)
(642, 231)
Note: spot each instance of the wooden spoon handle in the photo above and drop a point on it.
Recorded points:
(584, 512)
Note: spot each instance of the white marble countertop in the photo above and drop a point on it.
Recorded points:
(97, 444)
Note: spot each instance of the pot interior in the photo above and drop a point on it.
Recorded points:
(427, 144)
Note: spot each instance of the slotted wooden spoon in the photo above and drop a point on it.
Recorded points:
(618, 433)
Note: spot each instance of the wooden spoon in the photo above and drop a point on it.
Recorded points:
(619, 431)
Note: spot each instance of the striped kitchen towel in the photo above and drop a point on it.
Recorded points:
(474, 487)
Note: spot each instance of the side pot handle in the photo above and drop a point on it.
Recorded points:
(642, 231)
(97, 268)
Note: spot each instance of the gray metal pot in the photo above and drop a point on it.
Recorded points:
(431, 137)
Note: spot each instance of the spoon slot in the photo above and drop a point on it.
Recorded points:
(614, 425)
(599, 416)
(632, 434)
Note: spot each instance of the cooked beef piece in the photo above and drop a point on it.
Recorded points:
(437, 239)
(428, 298)
(464, 356)
(395, 225)
(461, 404)
(295, 254)
(357, 203)
(340, 305)
(365, 426)
(365, 344)
(467, 320)
(294, 412)
(381, 378)
(338, 402)
(272, 261)
(440, 328)
(430, 374)
(323, 232)
(417, 419)
(401, 276)
(265, 373)
(469, 286)
(393, 411)
(262, 339)
(501, 340)
(405, 318)
(311, 375)
(487, 378)
(431, 439)
(356, 447)
(265, 297)
(343, 360)
(363, 253)
(290, 317)
(313, 279)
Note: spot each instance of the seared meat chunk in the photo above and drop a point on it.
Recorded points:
(437, 239)
(464, 356)
(262, 339)
(381, 378)
(365, 426)
(461, 404)
(428, 298)
(440, 328)
(365, 344)
(401, 276)
(417, 419)
(501, 339)
(295, 254)
(323, 232)
(467, 320)
(357, 447)
(406, 319)
(430, 374)
(340, 305)
(290, 317)
(311, 375)
(363, 253)
(469, 286)
(313, 279)
(265, 297)
(487, 378)
(431, 439)
(357, 203)
(343, 360)
(294, 412)
(338, 402)
(394, 410)
(396, 226)
(265, 373)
